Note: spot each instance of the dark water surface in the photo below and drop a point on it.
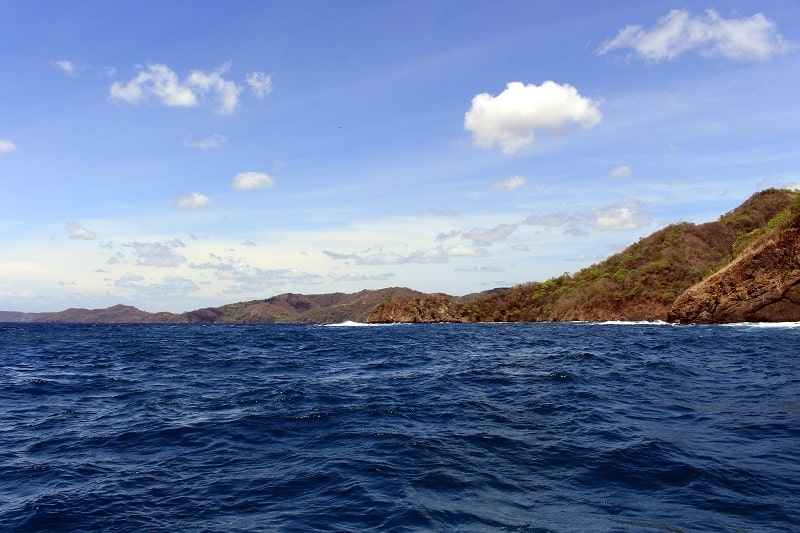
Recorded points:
(483, 427)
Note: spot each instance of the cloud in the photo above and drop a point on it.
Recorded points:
(479, 237)
(356, 277)
(162, 83)
(6, 146)
(260, 83)
(621, 172)
(552, 220)
(510, 184)
(341, 257)
(171, 286)
(250, 279)
(438, 254)
(741, 39)
(158, 254)
(68, 67)
(227, 91)
(489, 236)
(76, 231)
(628, 215)
(247, 181)
(512, 118)
(194, 200)
(623, 216)
(209, 143)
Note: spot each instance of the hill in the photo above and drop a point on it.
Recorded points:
(284, 308)
(761, 285)
(640, 283)
(117, 314)
(18, 316)
(299, 308)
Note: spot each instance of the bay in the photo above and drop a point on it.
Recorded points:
(445, 427)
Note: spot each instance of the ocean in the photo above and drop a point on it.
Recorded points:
(437, 427)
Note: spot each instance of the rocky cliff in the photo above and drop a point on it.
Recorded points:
(761, 285)
(644, 280)
(414, 309)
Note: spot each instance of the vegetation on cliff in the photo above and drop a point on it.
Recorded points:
(761, 285)
(643, 281)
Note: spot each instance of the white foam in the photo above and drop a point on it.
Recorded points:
(350, 324)
(635, 323)
(765, 325)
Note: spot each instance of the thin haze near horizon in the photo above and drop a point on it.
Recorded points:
(186, 154)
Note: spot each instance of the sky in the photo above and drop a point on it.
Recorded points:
(185, 154)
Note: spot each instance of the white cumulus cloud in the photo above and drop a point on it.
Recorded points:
(76, 231)
(628, 215)
(162, 83)
(752, 38)
(246, 181)
(7, 146)
(510, 184)
(512, 118)
(260, 83)
(194, 200)
(621, 172)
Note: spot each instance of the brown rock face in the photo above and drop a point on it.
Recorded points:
(431, 308)
(762, 285)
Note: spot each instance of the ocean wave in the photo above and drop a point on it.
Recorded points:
(764, 325)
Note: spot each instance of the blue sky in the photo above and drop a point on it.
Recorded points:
(176, 155)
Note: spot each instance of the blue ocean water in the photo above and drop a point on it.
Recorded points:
(469, 427)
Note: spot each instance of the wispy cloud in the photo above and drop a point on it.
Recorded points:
(194, 200)
(436, 254)
(361, 277)
(209, 143)
(260, 83)
(510, 184)
(628, 215)
(250, 279)
(162, 83)
(512, 118)
(157, 254)
(68, 67)
(621, 172)
(76, 231)
(752, 38)
(489, 236)
(6, 146)
(247, 181)
(170, 286)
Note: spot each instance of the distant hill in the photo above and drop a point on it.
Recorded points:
(744, 266)
(16, 316)
(285, 308)
(118, 314)
(313, 308)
